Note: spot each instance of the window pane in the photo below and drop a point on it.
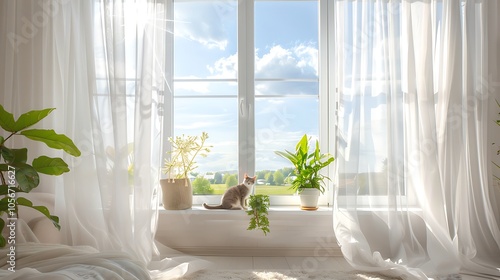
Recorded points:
(279, 124)
(286, 64)
(217, 117)
(205, 64)
(286, 48)
(205, 39)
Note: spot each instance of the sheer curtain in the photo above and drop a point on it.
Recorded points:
(416, 79)
(100, 64)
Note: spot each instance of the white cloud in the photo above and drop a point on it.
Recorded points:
(226, 67)
(203, 23)
(298, 62)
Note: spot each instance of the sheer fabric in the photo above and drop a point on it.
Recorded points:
(99, 63)
(415, 193)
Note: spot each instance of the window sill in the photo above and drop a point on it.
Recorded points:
(294, 232)
(286, 210)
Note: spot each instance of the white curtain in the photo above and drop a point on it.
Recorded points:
(416, 80)
(100, 64)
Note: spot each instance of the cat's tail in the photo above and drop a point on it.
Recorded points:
(212, 207)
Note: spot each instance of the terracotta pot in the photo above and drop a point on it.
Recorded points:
(176, 194)
(309, 199)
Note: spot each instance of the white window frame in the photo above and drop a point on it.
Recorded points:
(246, 97)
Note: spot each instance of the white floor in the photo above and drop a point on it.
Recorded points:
(278, 263)
(284, 263)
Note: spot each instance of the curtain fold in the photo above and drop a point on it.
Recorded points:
(415, 193)
(100, 64)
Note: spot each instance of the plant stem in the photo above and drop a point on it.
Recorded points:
(195, 154)
(256, 217)
(12, 134)
(3, 179)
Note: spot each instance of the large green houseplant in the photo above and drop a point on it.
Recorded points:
(17, 175)
(177, 190)
(309, 181)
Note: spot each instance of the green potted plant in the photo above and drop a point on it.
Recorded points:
(259, 206)
(309, 182)
(17, 175)
(176, 188)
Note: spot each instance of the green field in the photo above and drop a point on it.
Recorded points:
(260, 189)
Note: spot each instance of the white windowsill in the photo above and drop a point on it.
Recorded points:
(294, 232)
(291, 209)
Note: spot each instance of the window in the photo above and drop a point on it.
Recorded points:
(247, 73)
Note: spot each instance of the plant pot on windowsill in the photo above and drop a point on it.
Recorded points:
(308, 179)
(177, 194)
(309, 199)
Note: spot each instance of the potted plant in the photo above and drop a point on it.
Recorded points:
(308, 181)
(259, 206)
(176, 188)
(17, 175)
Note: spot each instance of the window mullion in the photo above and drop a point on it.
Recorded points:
(167, 91)
(246, 99)
(327, 93)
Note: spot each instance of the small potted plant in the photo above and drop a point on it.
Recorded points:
(176, 188)
(309, 182)
(259, 207)
(17, 174)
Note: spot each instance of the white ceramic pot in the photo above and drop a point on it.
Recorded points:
(309, 199)
(176, 194)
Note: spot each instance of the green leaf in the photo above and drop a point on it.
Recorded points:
(42, 209)
(14, 155)
(4, 189)
(303, 145)
(53, 140)
(30, 118)
(259, 205)
(3, 242)
(4, 204)
(7, 120)
(287, 155)
(24, 202)
(50, 166)
(26, 176)
(55, 221)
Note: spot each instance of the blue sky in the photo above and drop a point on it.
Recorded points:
(286, 47)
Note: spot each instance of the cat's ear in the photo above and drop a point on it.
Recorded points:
(246, 175)
(254, 177)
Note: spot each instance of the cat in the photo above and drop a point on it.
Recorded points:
(235, 197)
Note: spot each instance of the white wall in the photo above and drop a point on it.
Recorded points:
(224, 232)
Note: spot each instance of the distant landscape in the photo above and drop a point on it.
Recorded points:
(260, 189)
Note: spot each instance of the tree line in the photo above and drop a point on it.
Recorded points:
(279, 177)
